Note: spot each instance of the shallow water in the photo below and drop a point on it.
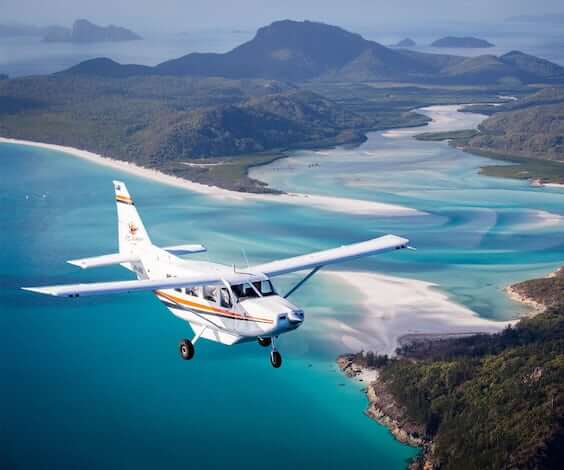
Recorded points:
(483, 232)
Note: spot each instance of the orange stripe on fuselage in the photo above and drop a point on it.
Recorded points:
(209, 309)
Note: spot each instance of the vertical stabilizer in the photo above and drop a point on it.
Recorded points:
(131, 231)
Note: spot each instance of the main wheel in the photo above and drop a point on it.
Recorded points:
(264, 342)
(275, 359)
(186, 349)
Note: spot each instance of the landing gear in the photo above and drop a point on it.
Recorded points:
(264, 342)
(186, 349)
(275, 357)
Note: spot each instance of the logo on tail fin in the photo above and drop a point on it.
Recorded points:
(132, 229)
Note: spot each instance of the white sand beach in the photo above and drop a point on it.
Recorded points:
(396, 307)
(327, 203)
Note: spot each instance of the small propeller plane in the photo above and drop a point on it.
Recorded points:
(221, 303)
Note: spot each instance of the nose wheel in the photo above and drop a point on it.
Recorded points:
(275, 359)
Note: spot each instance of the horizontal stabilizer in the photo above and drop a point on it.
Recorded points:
(104, 260)
(179, 250)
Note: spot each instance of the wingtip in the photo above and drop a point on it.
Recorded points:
(38, 290)
(76, 262)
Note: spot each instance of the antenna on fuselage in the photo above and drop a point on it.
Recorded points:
(245, 256)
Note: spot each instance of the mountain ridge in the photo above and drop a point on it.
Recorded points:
(301, 51)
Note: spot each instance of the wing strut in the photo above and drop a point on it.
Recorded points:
(302, 282)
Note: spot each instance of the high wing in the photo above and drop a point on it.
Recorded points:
(332, 256)
(117, 287)
(119, 258)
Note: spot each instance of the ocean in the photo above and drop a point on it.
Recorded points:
(98, 382)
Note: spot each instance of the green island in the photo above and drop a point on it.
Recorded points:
(527, 133)
(275, 93)
(481, 401)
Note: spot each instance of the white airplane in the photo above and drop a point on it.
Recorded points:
(221, 303)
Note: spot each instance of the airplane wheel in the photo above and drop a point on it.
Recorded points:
(264, 342)
(275, 359)
(186, 349)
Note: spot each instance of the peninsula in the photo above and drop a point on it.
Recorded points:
(468, 402)
(526, 133)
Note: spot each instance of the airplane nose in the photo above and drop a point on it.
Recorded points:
(296, 316)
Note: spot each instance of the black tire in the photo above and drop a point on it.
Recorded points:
(186, 349)
(275, 359)
(264, 342)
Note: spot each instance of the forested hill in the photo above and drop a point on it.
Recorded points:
(488, 401)
(306, 50)
(531, 127)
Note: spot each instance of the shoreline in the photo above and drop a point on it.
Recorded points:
(327, 203)
(423, 313)
(536, 307)
(396, 307)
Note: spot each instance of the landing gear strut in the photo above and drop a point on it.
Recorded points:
(186, 349)
(275, 357)
(264, 342)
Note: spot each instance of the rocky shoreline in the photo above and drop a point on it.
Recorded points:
(383, 409)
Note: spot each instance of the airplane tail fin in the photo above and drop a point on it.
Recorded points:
(131, 231)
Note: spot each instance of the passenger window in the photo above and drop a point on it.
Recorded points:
(210, 293)
(225, 298)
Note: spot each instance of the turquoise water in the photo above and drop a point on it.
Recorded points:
(98, 381)
(483, 233)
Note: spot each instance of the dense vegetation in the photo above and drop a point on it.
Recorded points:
(489, 401)
(533, 127)
(528, 132)
(160, 122)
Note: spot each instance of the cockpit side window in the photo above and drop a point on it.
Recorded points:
(265, 288)
(244, 291)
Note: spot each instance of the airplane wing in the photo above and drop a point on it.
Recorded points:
(332, 256)
(117, 287)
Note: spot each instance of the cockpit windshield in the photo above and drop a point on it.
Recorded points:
(257, 289)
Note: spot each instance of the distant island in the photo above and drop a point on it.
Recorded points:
(407, 42)
(462, 42)
(83, 31)
(469, 402)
